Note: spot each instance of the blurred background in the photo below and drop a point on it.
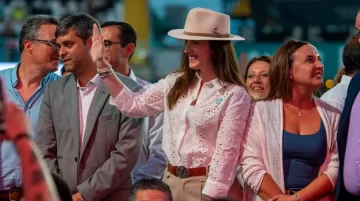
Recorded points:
(264, 23)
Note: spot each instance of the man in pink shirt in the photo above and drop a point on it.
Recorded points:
(84, 139)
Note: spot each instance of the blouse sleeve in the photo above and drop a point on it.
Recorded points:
(146, 102)
(333, 167)
(224, 162)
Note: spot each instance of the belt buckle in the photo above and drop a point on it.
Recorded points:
(182, 172)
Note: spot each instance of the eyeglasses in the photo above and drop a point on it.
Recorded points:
(109, 43)
(52, 44)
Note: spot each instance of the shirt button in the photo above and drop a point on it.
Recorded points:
(357, 162)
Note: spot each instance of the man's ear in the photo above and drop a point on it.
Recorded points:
(89, 42)
(129, 49)
(28, 46)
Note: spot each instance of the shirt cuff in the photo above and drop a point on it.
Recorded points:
(215, 190)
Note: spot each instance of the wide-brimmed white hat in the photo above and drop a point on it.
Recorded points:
(204, 24)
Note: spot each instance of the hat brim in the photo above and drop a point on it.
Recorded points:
(179, 34)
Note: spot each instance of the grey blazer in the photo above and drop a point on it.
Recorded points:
(101, 168)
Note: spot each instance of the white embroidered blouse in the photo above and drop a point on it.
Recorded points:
(207, 134)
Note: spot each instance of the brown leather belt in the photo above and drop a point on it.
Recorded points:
(183, 172)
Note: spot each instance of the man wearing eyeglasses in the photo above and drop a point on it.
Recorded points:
(120, 43)
(24, 85)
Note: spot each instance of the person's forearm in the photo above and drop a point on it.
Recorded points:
(37, 182)
(316, 189)
(268, 188)
(113, 84)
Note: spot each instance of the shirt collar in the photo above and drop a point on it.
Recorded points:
(345, 79)
(14, 76)
(217, 83)
(132, 75)
(95, 80)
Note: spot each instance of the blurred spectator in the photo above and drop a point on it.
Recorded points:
(357, 20)
(40, 7)
(150, 190)
(7, 30)
(16, 11)
(95, 6)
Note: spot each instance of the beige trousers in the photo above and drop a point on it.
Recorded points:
(189, 189)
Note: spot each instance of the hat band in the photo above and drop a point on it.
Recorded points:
(208, 35)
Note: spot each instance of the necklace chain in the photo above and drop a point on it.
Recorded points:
(300, 113)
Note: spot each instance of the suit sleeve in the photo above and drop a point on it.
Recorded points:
(45, 133)
(118, 167)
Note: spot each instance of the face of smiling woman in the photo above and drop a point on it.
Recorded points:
(257, 80)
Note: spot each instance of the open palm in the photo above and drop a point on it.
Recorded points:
(97, 48)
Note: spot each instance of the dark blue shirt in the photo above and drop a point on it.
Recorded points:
(302, 157)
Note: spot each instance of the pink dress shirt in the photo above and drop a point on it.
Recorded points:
(85, 97)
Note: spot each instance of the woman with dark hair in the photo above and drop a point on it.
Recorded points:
(205, 107)
(257, 77)
(290, 151)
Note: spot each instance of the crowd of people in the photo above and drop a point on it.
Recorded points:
(204, 132)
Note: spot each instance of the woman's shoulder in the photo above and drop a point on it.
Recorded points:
(172, 76)
(169, 80)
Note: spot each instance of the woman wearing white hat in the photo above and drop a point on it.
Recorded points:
(205, 106)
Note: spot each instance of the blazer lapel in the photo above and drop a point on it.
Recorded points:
(71, 96)
(100, 98)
